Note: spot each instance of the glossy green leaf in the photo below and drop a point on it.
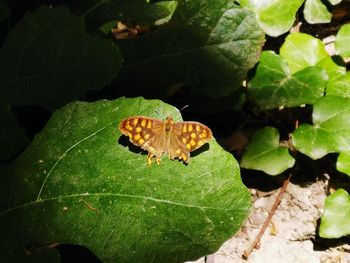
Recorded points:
(343, 162)
(335, 219)
(265, 154)
(331, 129)
(340, 86)
(342, 41)
(302, 50)
(315, 12)
(275, 16)
(49, 60)
(274, 86)
(87, 184)
(207, 45)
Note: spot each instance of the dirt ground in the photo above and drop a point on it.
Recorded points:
(291, 236)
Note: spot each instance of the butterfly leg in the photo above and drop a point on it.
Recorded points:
(149, 159)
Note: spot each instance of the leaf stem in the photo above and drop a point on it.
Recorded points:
(248, 251)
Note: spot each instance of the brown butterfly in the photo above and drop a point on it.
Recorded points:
(159, 137)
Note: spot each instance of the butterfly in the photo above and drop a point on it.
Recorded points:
(158, 137)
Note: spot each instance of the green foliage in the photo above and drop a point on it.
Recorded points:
(274, 86)
(343, 162)
(325, 136)
(206, 44)
(275, 17)
(335, 219)
(316, 12)
(342, 42)
(49, 53)
(79, 174)
(264, 153)
(89, 186)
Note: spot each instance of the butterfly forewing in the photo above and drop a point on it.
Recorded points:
(139, 129)
(192, 134)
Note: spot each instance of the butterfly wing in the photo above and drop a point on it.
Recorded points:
(148, 133)
(189, 137)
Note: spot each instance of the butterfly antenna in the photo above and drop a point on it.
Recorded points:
(184, 107)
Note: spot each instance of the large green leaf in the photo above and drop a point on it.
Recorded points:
(264, 153)
(342, 41)
(316, 12)
(81, 182)
(331, 129)
(335, 219)
(207, 45)
(343, 162)
(275, 16)
(274, 86)
(49, 60)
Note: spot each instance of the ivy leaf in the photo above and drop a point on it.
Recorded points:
(342, 41)
(207, 45)
(331, 129)
(335, 219)
(340, 86)
(316, 12)
(275, 16)
(274, 86)
(68, 62)
(86, 184)
(264, 153)
(343, 163)
(302, 50)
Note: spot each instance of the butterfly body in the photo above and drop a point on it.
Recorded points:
(159, 137)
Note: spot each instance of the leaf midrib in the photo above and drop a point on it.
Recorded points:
(112, 195)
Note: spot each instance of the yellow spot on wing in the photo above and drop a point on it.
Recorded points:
(193, 135)
(143, 123)
(184, 157)
(184, 128)
(138, 129)
(149, 124)
(135, 121)
(198, 128)
(190, 128)
(188, 146)
(200, 143)
(203, 134)
(137, 136)
(178, 151)
(192, 142)
(128, 126)
(184, 140)
(146, 136)
(141, 141)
